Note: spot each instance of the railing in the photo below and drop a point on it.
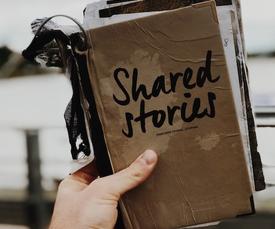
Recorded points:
(31, 207)
(37, 213)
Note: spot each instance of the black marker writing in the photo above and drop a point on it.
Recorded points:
(184, 79)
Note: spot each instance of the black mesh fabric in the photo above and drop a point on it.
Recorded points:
(52, 47)
(75, 119)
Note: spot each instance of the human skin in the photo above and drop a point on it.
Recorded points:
(85, 201)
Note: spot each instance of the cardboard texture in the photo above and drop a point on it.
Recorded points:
(161, 82)
(250, 140)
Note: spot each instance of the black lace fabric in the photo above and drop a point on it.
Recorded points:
(75, 117)
(53, 47)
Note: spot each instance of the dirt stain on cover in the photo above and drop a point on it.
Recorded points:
(208, 142)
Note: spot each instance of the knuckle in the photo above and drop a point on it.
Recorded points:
(99, 184)
(102, 189)
(62, 185)
(136, 173)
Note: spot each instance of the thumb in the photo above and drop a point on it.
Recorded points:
(121, 182)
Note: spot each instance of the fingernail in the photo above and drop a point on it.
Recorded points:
(149, 156)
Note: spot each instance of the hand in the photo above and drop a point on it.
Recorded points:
(87, 202)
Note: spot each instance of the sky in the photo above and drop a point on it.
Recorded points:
(16, 16)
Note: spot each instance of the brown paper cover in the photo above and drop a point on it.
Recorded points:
(190, 122)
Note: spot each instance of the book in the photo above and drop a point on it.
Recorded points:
(170, 76)
(162, 83)
(96, 15)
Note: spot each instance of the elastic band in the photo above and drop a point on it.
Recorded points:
(74, 20)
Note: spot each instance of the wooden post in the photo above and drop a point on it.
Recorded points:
(36, 206)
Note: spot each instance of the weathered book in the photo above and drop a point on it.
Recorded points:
(230, 24)
(162, 82)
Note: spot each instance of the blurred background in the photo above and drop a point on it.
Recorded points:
(34, 145)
